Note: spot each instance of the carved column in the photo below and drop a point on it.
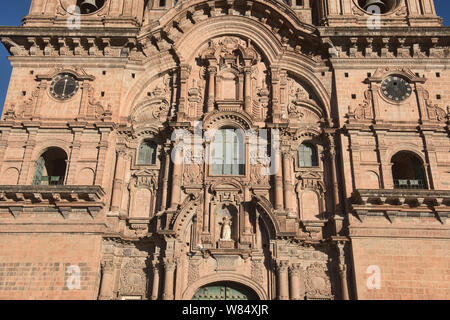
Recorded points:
(107, 284)
(297, 292)
(332, 149)
(165, 177)
(155, 283)
(185, 70)
(248, 87)
(343, 271)
(288, 187)
(206, 204)
(177, 155)
(117, 191)
(283, 280)
(278, 182)
(247, 199)
(212, 70)
(169, 274)
(276, 113)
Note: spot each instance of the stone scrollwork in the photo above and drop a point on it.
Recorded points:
(434, 111)
(133, 277)
(318, 283)
(364, 110)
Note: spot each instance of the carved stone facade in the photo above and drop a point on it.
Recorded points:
(255, 145)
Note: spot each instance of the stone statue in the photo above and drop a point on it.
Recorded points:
(226, 229)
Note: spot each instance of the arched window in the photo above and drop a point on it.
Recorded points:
(51, 168)
(147, 153)
(307, 155)
(408, 171)
(228, 156)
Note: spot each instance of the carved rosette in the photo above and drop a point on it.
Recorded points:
(318, 283)
(133, 277)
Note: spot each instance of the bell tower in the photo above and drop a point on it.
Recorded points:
(386, 12)
(85, 13)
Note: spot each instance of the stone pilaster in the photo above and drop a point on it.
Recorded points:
(283, 280)
(169, 275)
(107, 283)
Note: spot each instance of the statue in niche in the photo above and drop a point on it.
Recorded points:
(226, 229)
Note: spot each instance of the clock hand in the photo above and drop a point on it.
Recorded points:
(64, 89)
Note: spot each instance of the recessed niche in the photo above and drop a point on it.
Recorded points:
(378, 6)
(90, 6)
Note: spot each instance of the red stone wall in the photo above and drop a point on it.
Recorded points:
(414, 263)
(33, 266)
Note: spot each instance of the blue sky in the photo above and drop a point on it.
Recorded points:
(13, 11)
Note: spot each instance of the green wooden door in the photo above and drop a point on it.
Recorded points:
(224, 291)
(39, 171)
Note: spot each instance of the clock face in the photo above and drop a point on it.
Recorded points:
(396, 88)
(64, 86)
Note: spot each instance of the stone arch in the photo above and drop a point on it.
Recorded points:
(225, 276)
(370, 180)
(267, 215)
(261, 37)
(47, 145)
(216, 120)
(304, 71)
(226, 182)
(10, 176)
(51, 163)
(187, 211)
(407, 148)
(86, 177)
(143, 81)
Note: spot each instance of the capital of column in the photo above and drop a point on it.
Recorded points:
(211, 70)
(170, 264)
(282, 266)
(107, 266)
(295, 269)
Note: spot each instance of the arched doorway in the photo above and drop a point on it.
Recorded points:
(51, 167)
(408, 171)
(225, 290)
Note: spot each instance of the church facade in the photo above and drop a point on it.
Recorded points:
(212, 150)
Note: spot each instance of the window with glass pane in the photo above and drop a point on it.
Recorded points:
(307, 155)
(147, 153)
(227, 153)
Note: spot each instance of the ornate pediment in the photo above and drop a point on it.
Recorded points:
(77, 71)
(382, 73)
